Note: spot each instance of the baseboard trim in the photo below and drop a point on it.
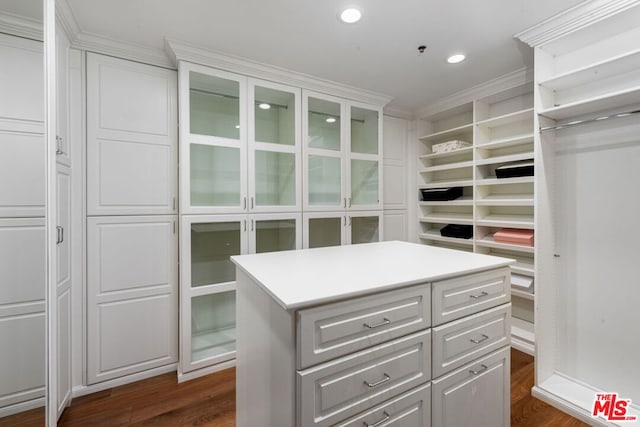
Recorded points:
(21, 407)
(523, 346)
(182, 377)
(83, 390)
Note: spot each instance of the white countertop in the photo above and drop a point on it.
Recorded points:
(302, 278)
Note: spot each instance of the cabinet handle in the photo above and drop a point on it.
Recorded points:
(59, 145)
(174, 203)
(479, 371)
(386, 418)
(349, 201)
(344, 221)
(59, 235)
(245, 224)
(385, 321)
(251, 202)
(480, 295)
(252, 223)
(345, 202)
(484, 338)
(349, 221)
(386, 378)
(244, 203)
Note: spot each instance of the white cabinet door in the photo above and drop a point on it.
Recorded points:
(395, 142)
(132, 279)
(477, 394)
(274, 232)
(131, 138)
(22, 310)
(63, 146)
(324, 229)
(396, 225)
(364, 227)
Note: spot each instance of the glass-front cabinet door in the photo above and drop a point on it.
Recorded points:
(324, 147)
(365, 157)
(207, 282)
(274, 232)
(324, 229)
(213, 153)
(365, 227)
(275, 148)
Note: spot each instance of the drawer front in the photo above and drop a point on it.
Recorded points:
(464, 340)
(477, 394)
(334, 330)
(462, 296)
(408, 410)
(341, 388)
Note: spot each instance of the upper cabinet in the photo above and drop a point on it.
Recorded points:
(343, 154)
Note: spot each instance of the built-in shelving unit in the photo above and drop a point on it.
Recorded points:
(587, 74)
(500, 128)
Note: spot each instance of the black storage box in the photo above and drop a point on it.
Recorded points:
(441, 194)
(513, 170)
(458, 231)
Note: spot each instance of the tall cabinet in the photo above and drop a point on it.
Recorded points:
(264, 166)
(498, 130)
(587, 145)
(22, 226)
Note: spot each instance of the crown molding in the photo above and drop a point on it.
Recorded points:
(399, 112)
(572, 20)
(21, 26)
(181, 51)
(100, 44)
(507, 81)
(67, 20)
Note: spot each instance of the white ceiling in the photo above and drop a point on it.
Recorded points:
(379, 53)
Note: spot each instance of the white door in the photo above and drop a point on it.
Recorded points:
(131, 138)
(132, 277)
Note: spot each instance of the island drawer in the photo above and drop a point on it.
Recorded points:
(462, 296)
(408, 410)
(341, 388)
(334, 330)
(464, 340)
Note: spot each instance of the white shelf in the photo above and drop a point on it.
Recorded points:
(617, 65)
(499, 181)
(522, 294)
(446, 154)
(449, 133)
(448, 183)
(524, 268)
(594, 104)
(505, 159)
(210, 344)
(460, 201)
(448, 218)
(505, 119)
(437, 237)
(509, 221)
(506, 200)
(507, 142)
(488, 242)
(523, 336)
(448, 166)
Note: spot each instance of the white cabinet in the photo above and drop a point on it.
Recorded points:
(131, 138)
(132, 278)
(477, 394)
(340, 228)
(342, 143)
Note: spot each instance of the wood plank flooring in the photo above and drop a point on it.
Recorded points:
(210, 401)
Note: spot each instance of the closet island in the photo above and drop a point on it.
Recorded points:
(387, 333)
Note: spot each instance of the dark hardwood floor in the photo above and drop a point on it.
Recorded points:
(210, 401)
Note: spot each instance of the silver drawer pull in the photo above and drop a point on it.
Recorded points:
(481, 295)
(386, 418)
(479, 371)
(377, 383)
(385, 321)
(484, 338)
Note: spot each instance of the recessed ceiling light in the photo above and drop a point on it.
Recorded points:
(264, 106)
(331, 119)
(454, 59)
(350, 15)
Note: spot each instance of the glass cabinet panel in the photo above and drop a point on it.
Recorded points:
(214, 175)
(324, 124)
(274, 116)
(275, 235)
(364, 182)
(211, 246)
(365, 229)
(213, 325)
(325, 232)
(275, 178)
(214, 105)
(325, 181)
(364, 131)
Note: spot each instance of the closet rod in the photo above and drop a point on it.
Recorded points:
(581, 122)
(222, 95)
